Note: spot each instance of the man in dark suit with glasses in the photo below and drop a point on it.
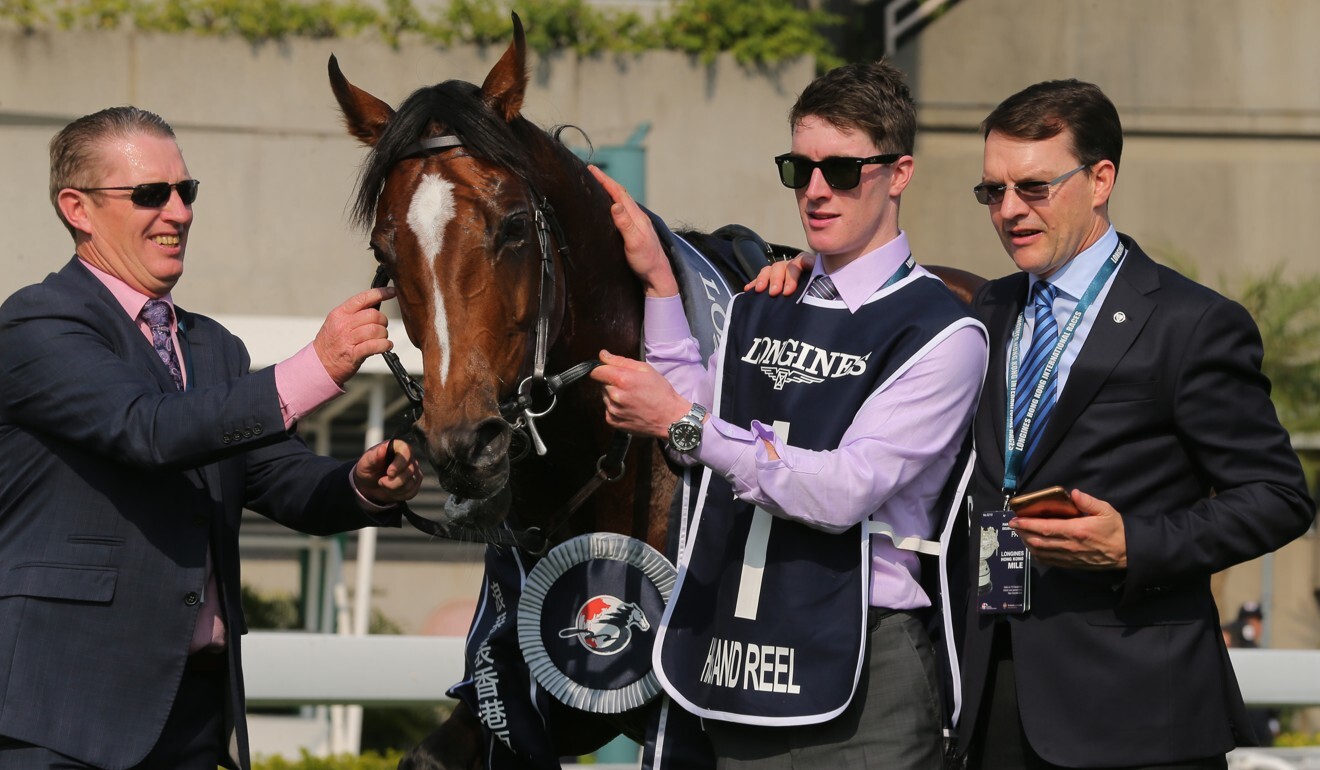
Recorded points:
(1139, 392)
(132, 436)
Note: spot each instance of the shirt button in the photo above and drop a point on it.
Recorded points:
(191, 598)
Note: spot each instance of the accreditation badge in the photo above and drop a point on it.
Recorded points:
(1003, 584)
(587, 621)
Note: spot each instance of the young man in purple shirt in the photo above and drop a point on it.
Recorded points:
(831, 423)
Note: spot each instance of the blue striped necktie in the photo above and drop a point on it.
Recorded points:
(823, 288)
(1043, 339)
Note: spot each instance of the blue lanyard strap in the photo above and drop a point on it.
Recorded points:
(1014, 446)
(903, 271)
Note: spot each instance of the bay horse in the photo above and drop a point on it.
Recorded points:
(509, 271)
(511, 278)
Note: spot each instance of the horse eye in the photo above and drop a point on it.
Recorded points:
(382, 251)
(515, 228)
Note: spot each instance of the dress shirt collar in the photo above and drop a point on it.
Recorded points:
(1073, 278)
(863, 277)
(131, 299)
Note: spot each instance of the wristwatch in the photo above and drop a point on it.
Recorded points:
(685, 432)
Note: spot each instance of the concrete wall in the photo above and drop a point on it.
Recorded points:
(1221, 162)
(1218, 98)
(1220, 110)
(259, 126)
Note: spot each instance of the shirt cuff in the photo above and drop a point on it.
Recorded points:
(366, 505)
(723, 445)
(664, 320)
(303, 385)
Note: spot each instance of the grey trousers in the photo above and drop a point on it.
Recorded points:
(893, 721)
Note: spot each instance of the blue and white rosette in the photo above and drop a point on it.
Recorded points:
(587, 621)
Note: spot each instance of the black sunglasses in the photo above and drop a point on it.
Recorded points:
(987, 194)
(153, 195)
(840, 173)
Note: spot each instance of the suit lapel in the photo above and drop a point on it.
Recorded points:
(1000, 308)
(1118, 322)
(128, 338)
(199, 353)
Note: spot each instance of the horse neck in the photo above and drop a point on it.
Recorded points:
(602, 310)
(603, 302)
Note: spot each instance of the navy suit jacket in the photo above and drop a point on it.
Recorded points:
(113, 485)
(1166, 416)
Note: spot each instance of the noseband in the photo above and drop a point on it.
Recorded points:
(520, 411)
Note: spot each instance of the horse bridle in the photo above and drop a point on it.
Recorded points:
(520, 411)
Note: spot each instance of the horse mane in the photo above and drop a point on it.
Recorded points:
(458, 108)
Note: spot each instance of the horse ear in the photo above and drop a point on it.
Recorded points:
(506, 85)
(365, 116)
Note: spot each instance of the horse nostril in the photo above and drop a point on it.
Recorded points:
(490, 442)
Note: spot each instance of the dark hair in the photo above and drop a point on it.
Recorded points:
(74, 152)
(1047, 109)
(870, 96)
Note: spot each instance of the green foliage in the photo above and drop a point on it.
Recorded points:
(369, 760)
(279, 612)
(1288, 316)
(757, 33)
(1297, 739)
(388, 730)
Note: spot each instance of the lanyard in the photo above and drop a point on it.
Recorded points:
(1015, 445)
(903, 271)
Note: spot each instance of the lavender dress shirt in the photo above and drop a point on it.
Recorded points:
(893, 459)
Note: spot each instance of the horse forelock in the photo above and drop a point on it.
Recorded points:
(456, 107)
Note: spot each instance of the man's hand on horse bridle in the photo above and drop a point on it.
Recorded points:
(640, 243)
(638, 399)
(386, 477)
(782, 277)
(352, 333)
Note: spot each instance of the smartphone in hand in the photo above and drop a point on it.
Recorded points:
(1052, 502)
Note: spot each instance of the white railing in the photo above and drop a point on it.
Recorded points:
(283, 668)
(294, 668)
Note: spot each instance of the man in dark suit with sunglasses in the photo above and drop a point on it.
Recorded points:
(132, 435)
(836, 418)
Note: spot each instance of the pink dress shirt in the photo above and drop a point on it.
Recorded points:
(302, 384)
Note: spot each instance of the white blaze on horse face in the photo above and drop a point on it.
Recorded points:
(431, 211)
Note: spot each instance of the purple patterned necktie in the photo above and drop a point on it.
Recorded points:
(157, 315)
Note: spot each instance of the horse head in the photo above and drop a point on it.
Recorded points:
(467, 204)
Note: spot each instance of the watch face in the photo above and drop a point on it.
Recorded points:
(684, 435)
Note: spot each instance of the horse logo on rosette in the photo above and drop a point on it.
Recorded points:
(604, 624)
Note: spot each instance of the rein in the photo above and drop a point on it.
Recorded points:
(520, 411)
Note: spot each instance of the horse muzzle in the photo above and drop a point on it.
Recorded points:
(471, 464)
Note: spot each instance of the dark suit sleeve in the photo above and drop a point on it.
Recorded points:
(1226, 423)
(65, 375)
